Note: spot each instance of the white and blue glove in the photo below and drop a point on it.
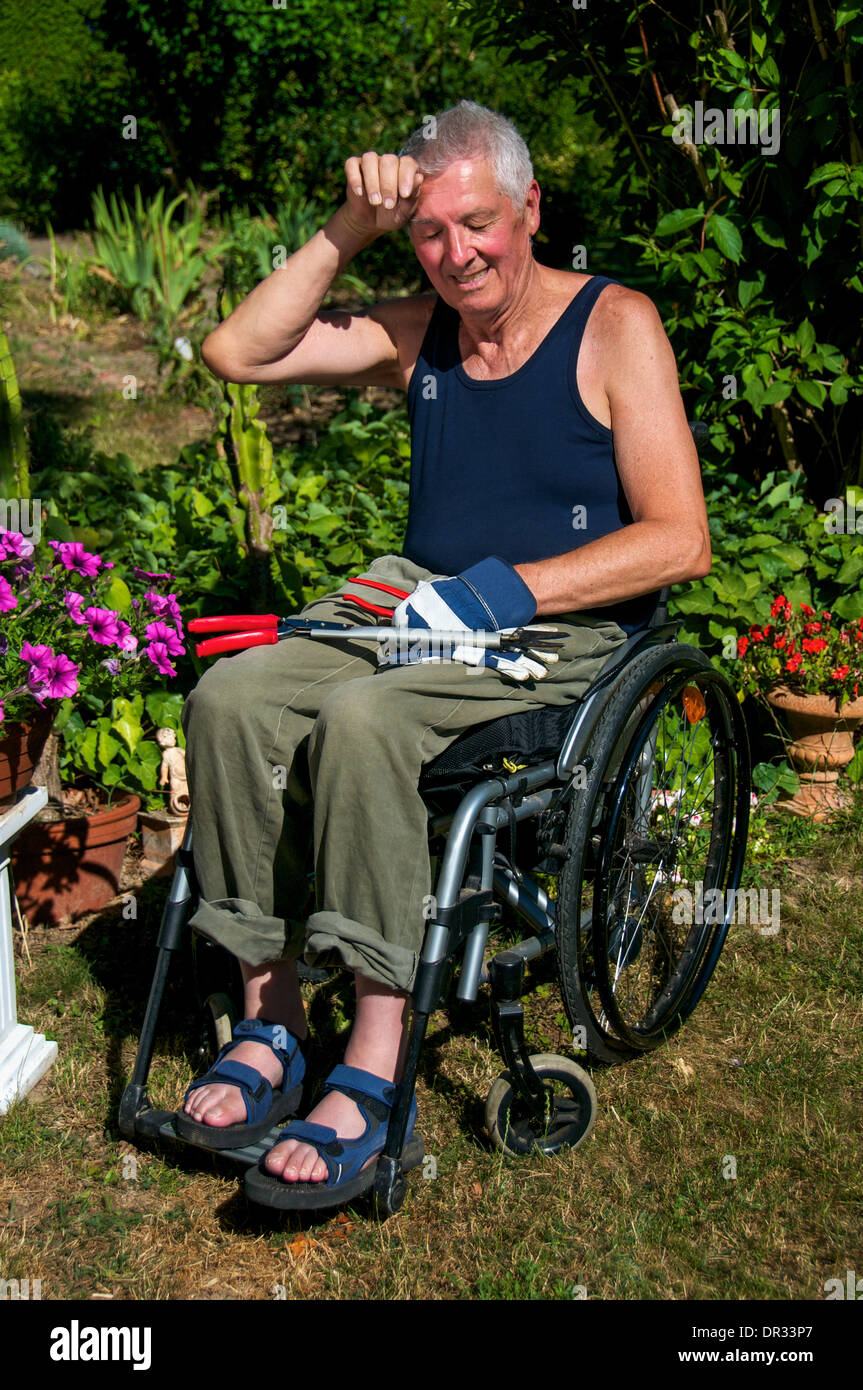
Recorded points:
(489, 597)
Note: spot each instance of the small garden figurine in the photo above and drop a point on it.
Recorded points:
(173, 772)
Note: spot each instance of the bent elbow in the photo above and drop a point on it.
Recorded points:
(214, 357)
(702, 560)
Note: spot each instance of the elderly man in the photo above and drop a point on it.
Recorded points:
(552, 476)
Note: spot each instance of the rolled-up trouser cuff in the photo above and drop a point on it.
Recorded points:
(333, 939)
(241, 927)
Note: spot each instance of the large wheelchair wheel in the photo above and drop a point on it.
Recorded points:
(661, 821)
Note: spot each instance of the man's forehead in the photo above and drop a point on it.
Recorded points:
(466, 185)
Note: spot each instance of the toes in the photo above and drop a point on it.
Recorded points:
(276, 1161)
(210, 1105)
(295, 1162)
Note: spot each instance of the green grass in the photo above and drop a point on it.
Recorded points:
(724, 1165)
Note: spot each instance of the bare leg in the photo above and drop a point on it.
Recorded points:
(377, 1044)
(272, 991)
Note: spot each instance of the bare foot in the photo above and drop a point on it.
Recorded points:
(295, 1161)
(218, 1104)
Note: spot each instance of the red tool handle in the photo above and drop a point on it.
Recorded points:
(374, 607)
(233, 641)
(230, 622)
(366, 606)
(375, 584)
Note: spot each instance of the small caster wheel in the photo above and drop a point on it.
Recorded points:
(569, 1118)
(391, 1188)
(219, 1023)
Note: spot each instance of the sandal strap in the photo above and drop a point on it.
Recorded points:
(330, 1148)
(286, 1046)
(374, 1097)
(252, 1086)
(365, 1083)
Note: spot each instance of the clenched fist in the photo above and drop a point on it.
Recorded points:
(382, 191)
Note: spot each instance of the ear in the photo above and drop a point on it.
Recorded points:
(531, 208)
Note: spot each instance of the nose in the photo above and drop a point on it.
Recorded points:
(460, 252)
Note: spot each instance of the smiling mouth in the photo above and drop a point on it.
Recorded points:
(471, 279)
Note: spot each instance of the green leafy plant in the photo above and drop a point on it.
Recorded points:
(157, 258)
(76, 286)
(118, 749)
(762, 539)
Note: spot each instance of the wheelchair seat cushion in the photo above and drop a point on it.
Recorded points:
(535, 733)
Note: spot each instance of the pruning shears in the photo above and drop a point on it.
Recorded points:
(242, 630)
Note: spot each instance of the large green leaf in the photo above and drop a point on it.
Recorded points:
(678, 221)
(726, 236)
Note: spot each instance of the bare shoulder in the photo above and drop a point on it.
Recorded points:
(619, 312)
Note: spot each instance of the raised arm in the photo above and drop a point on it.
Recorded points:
(280, 333)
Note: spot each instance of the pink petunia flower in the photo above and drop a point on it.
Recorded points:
(74, 603)
(62, 679)
(40, 660)
(102, 625)
(126, 639)
(161, 632)
(13, 543)
(158, 654)
(7, 598)
(39, 655)
(158, 602)
(149, 574)
(73, 556)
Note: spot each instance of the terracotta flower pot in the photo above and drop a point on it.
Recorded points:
(67, 867)
(20, 750)
(161, 837)
(822, 746)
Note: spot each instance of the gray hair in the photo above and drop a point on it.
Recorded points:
(467, 130)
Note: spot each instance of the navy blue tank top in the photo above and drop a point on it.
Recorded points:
(515, 467)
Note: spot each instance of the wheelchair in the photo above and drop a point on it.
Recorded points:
(631, 803)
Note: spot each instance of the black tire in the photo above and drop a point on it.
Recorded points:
(630, 973)
(570, 1119)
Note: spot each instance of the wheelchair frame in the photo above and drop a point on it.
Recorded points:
(463, 909)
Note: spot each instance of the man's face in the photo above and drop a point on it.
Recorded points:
(469, 239)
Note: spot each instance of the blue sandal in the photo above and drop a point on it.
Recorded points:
(264, 1106)
(347, 1178)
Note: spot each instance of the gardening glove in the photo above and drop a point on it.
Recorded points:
(490, 597)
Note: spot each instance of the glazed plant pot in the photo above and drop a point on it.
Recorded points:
(823, 744)
(21, 748)
(64, 868)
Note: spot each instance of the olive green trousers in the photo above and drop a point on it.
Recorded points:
(305, 757)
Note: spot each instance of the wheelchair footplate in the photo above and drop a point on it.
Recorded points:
(158, 1125)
